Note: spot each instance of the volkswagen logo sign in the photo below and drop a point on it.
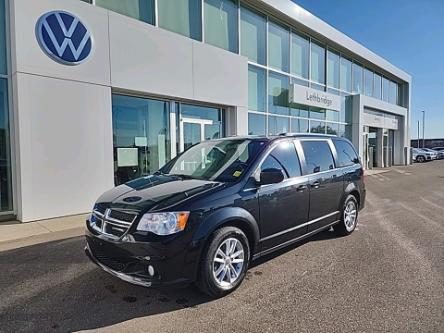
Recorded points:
(63, 37)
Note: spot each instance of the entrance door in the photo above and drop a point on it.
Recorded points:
(198, 123)
(192, 131)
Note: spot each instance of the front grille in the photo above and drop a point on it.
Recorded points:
(113, 222)
(122, 215)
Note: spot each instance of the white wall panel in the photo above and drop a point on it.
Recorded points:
(64, 135)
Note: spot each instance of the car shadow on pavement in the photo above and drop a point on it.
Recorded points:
(52, 287)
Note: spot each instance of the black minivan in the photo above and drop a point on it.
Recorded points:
(221, 204)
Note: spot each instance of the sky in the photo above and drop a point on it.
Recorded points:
(409, 34)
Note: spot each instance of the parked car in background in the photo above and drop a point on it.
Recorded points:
(435, 154)
(439, 153)
(221, 204)
(421, 156)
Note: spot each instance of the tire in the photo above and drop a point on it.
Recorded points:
(349, 210)
(219, 273)
(420, 159)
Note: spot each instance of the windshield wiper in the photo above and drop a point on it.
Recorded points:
(182, 176)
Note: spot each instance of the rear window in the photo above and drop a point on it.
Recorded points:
(346, 154)
(318, 156)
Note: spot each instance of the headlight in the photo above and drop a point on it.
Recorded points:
(163, 223)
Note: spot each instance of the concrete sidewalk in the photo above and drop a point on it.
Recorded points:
(15, 234)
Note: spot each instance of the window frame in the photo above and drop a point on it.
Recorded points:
(256, 173)
(302, 157)
(336, 155)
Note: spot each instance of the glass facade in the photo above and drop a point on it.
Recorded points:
(385, 89)
(333, 69)
(253, 36)
(357, 78)
(5, 153)
(278, 47)
(230, 25)
(317, 60)
(278, 93)
(368, 82)
(256, 88)
(377, 88)
(346, 74)
(221, 24)
(183, 17)
(141, 136)
(6, 196)
(142, 10)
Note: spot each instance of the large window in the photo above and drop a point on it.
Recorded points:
(346, 74)
(278, 94)
(278, 125)
(317, 63)
(141, 136)
(5, 156)
(256, 88)
(377, 92)
(221, 24)
(333, 69)
(278, 47)
(368, 82)
(183, 17)
(300, 52)
(139, 9)
(385, 89)
(253, 36)
(357, 78)
(256, 124)
(3, 68)
(318, 156)
(393, 92)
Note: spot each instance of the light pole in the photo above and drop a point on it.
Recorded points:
(423, 129)
(417, 146)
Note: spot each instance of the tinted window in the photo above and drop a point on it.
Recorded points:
(318, 156)
(346, 153)
(284, 157)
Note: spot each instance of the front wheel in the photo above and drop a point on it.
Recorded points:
(420, 159)
(224, 263)
(349, 217)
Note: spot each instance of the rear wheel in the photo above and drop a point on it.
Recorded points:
(224, 263)
(349, 217)
(420, 159)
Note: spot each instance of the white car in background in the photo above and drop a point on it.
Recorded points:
(421, 156)
(435, 154)
(439, 153)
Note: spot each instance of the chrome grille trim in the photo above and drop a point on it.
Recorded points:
(106, 220)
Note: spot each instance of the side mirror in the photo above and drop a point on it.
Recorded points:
(271, 176)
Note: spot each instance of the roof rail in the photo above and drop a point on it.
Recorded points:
(306, 134)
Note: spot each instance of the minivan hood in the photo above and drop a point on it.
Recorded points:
(156, 192)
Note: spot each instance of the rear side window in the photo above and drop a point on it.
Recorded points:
(318, 156)
(284, 157)
(346, 154)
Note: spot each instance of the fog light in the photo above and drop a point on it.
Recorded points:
(151, 270)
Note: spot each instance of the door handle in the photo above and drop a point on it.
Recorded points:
(316, 184)
(301, 188)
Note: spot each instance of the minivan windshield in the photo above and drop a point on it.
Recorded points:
(220, 160)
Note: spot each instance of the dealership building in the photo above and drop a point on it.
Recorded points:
(96, 93)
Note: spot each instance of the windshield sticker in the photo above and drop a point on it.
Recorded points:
(237, 173)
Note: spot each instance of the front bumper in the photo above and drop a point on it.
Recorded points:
(143, 263)
(120, 275)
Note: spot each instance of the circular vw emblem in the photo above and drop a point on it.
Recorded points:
(64, 37)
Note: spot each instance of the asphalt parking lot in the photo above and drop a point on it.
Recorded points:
(388, 276)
